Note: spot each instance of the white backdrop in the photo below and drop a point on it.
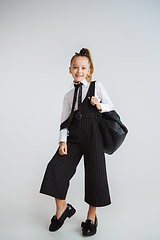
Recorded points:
(37, 40)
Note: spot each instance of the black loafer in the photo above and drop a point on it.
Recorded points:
(89, 228)
(57, 223)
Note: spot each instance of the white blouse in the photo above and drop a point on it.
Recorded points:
(100, 93)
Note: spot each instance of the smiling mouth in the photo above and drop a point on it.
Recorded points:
(79, 75)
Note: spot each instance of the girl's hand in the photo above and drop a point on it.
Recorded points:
(94, 102)
(63, 148)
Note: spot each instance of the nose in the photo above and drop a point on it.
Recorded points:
(79, 70)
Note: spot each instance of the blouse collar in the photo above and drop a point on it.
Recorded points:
(84, 81)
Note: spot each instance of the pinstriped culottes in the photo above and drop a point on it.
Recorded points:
(84, 140)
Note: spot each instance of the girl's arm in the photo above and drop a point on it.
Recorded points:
(65, 114)
(103, 98)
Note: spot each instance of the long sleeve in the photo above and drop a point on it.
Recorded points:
(65, 114)
(103, 97)
(63, 135)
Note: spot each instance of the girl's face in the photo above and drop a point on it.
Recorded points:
(80, 68)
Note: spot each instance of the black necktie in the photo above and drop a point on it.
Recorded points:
(79, 98)
(67, 122)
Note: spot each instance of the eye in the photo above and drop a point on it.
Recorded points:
(74, 67)
(83, 68)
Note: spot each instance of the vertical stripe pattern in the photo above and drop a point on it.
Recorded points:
(84, 139)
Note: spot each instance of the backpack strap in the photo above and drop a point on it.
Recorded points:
(92, 93)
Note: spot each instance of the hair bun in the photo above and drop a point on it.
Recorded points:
(83, 51)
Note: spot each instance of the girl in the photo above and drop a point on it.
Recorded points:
(79, 136)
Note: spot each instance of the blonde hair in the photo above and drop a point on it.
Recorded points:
(84, 52)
